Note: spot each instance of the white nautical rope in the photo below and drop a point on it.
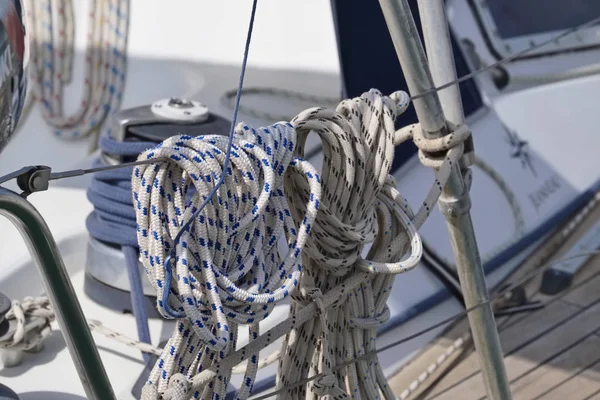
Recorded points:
(51, 30)
(32, 318)
(360, 205)
(228, 270)
(345, 132)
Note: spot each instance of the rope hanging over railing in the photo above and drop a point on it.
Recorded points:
(228, 271)
(52, 32)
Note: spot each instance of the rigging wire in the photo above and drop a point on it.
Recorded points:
(508, 59)
(101, 329)
(215, 189)
(79, 172)
(290, 94)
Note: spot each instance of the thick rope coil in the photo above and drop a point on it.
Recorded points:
(228, 270)
(29, 332)
(360, 205)
(51, 30)
(365, 124)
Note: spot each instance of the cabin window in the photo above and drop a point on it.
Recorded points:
(512, 26)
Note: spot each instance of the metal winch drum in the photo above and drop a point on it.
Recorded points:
(106, 279)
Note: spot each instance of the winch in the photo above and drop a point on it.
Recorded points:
(132, 131)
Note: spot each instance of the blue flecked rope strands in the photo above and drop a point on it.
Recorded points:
(228, 269)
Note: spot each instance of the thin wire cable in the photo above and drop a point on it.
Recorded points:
(79, 172)
(226, 162)
(441, 323)
(508, 59)
(290, 94)
(96, 326)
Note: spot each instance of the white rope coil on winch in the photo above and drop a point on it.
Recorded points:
(52, 34)
(338, 290)
(228, 270)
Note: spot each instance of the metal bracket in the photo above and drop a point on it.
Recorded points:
(35, 178)
(514, 302)
(452, 207)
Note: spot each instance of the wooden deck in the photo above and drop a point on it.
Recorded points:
(550, 354)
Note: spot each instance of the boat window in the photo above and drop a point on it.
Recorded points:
(514, 25)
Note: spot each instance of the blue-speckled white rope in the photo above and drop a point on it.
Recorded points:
(51, 30)
(228, 269)
(376, 114)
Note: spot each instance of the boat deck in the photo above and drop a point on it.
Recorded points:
(552, 353)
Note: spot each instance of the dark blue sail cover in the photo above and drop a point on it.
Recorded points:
(368, 60)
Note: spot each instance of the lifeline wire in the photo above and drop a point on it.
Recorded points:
(325, 100)
(509, 58)
(439, 324)
(79, 172)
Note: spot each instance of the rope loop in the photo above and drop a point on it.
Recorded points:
(227, 268)
(431, 148)
(52, 36)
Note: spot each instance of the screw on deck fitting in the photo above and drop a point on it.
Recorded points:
(180, 103)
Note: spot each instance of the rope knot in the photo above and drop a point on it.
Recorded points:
(178, 389)
(324, 385)
(327, 385)
(28, 333)
(309, 292)
(434, 151)
(370, 322)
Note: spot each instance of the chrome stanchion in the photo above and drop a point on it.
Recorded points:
(455, 201)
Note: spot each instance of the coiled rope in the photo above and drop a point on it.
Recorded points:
(360, 205)
(52, 31)
(228, 270)
(338, 323)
